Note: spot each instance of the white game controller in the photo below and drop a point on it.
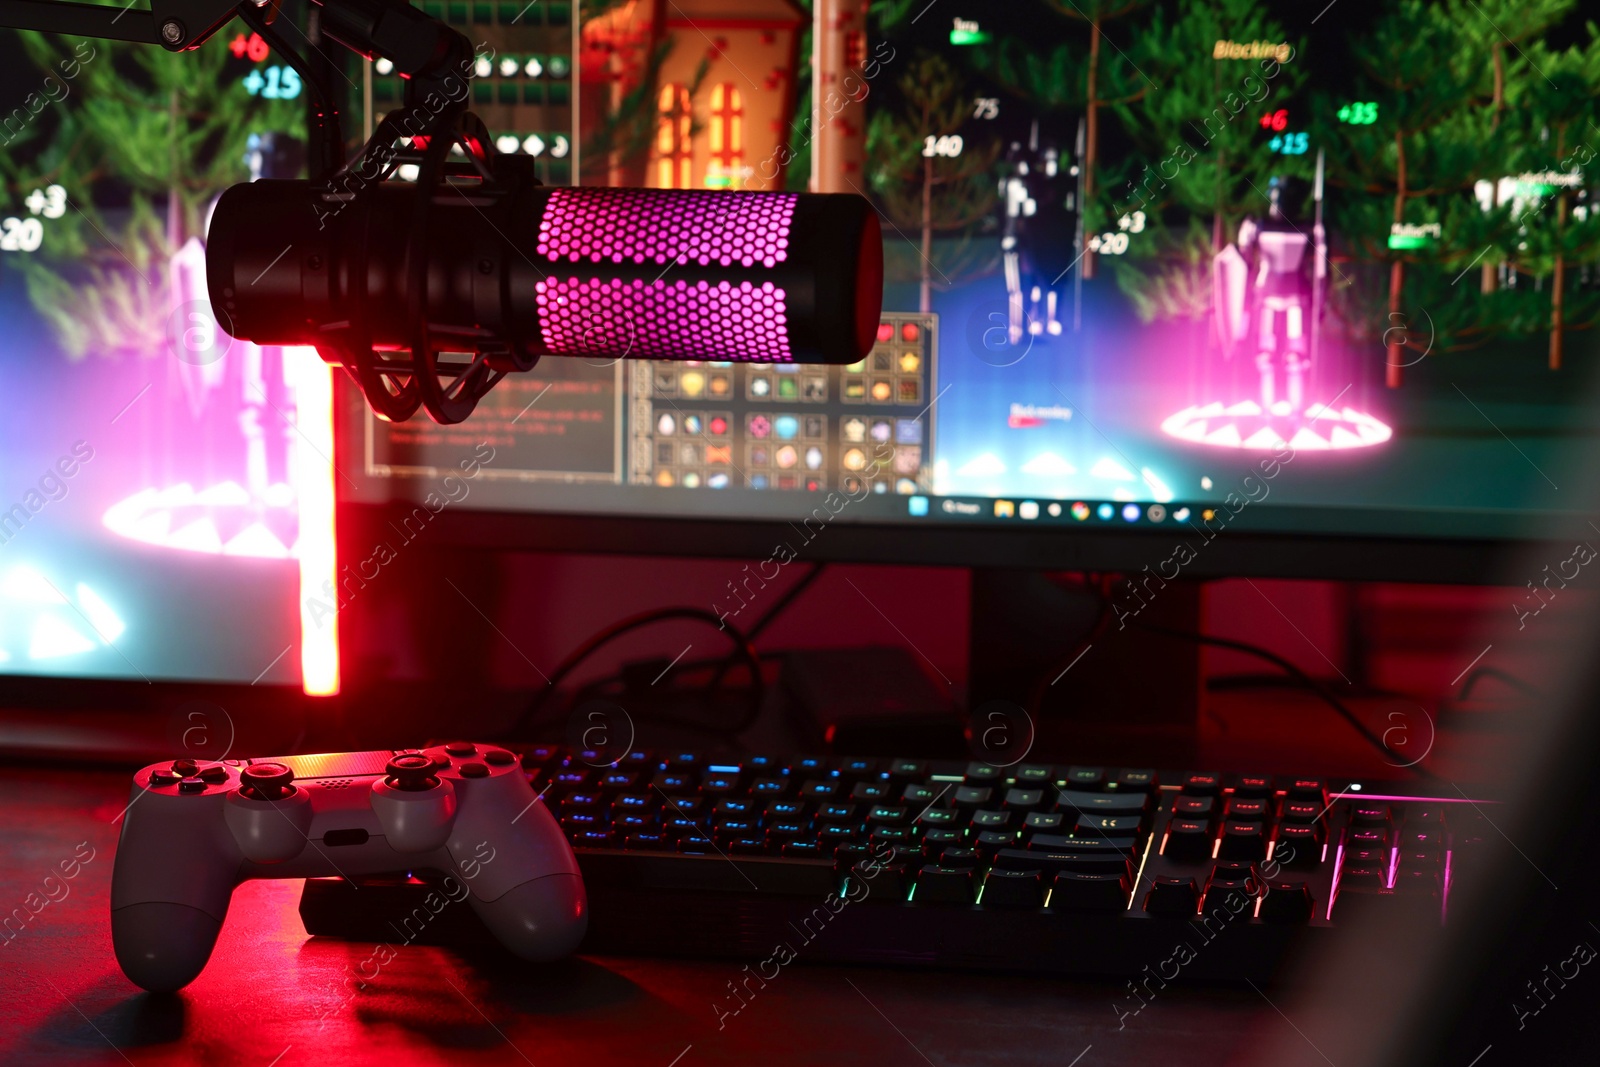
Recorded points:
(195, 830)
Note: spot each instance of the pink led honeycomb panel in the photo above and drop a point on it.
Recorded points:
(666, 226)
(664, 319)
(744, 320)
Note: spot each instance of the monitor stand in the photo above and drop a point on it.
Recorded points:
(1131, 699)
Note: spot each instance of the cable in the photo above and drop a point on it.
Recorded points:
(744, 650)
(743, 642)
(1501, 675)
(790, 595)
(1299, 675)
(1234, 682)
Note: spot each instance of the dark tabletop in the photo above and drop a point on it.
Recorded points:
(273, 996)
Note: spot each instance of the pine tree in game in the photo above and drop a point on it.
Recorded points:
(1403, 159)
(1207, 146)
(929, 178)
(156, 133)
(1202, 142)
(1104, 85)
(1506, 30)
(1553, 220)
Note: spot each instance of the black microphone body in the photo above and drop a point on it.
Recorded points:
(546, 270)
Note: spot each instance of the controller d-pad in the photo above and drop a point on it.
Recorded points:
(191, 785)
(413, 772)
(266, 781)
(164, 778)
(184, 768)
(215, 774)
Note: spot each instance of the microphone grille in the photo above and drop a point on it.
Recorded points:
(742, 321)
(666, 226)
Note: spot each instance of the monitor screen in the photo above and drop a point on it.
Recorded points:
(151, 468)
(1202, 265)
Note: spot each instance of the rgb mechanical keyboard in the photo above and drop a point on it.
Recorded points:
(1033, 867)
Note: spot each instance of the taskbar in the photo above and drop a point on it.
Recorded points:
(1052, 511)
(1244, 514)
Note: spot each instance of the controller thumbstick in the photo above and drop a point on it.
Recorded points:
(266, 781)
(270, 819)
(413, 773)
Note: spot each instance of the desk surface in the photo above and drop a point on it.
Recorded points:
(273, 997)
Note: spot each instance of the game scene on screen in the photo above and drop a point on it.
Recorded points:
(1376, 291)
(150, 465)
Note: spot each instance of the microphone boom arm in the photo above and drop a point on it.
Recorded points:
(422, 48)
(82, 20)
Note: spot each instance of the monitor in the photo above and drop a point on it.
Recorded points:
(1224, 301)
(162, 486)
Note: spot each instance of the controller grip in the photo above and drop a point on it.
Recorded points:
(163, 946)
(541, 920)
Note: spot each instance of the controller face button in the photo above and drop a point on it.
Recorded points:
(412, 772)
(191, 785)
(461, 748)
(474, 770)
(184, 768)
(214, 774)
(499, 757)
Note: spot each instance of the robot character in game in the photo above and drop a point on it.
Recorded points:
(1268, 293)
(1040, 234)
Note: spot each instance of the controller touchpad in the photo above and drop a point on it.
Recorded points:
(336, 764)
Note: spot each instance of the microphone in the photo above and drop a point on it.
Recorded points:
(387, 278)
